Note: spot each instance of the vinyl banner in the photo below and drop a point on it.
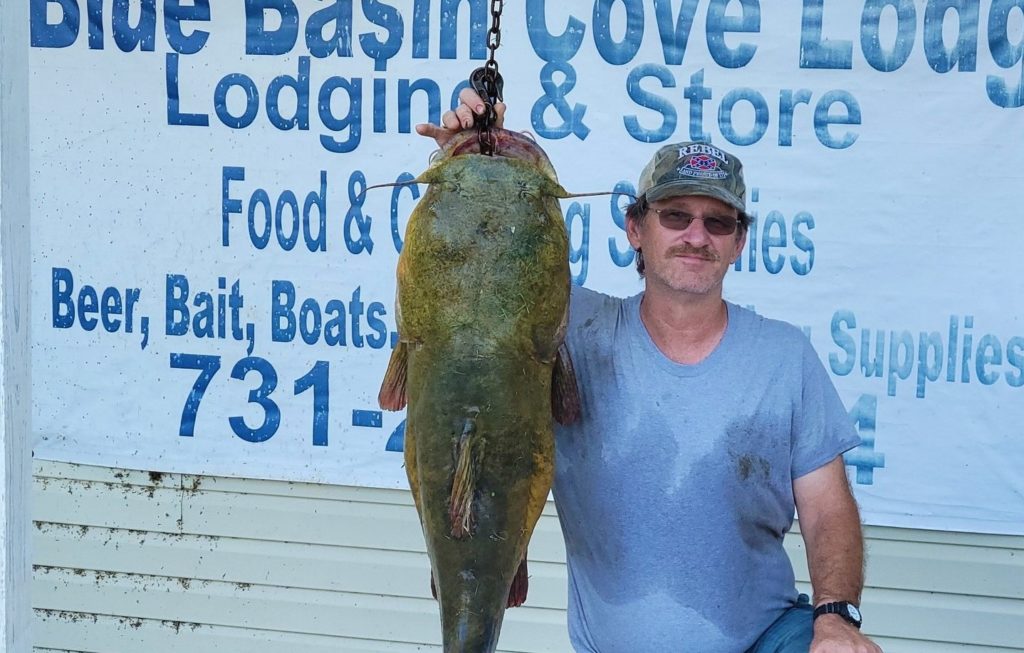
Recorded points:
(213, 283)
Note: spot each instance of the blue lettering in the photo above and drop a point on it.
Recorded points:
(94, 8)
(1005, 55)
(379, 106)
(880, 58)
(282, 294)
(280, 41)
(252, 100)
(175, 14)
(432, 92)
(380, 329)
(479, 16)
(965, 355)
(387, 17)
(823, 118)
(355, 311)
(549, 47)
(88, 303)
(776, 222)
(260, 198)
(309, 333)
(621, 258)
(1015, 357)
(622, 52)
(228, 204)
(787, 101)
(816, 52)
(803, 242)
(760, 125)
(901, 358)
(287, 199)
(421, 29)
(174, 115)
(351, 121)
(340, 40)
(651, 101)
(749, 21)
(990, 352)
(579, 254)
(299, 84)
(673, 41)
(176, 321)
(142, 35)
(843, 319)
(965, 54)
(697, 93)
(872, 367)
(334, 329)
(929, 360)
(318, 200)
(63, 310)
(57, 35)
(402, 183)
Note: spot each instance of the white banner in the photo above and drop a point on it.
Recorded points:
(213, 295)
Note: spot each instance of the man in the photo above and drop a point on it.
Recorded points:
(703, 426)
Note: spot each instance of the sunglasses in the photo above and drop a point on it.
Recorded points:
(676, 220)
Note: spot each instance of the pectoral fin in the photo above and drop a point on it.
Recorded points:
(565, 395)
(520, 584)
(392, 390)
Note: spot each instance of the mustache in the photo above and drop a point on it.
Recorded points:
(689, 250)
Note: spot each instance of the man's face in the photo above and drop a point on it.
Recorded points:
(689, 260)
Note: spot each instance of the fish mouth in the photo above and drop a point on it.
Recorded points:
(508, 144)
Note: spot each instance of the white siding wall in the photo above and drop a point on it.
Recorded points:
(132, 561)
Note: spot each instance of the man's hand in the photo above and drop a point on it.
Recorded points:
(832, 634)
(463, 117)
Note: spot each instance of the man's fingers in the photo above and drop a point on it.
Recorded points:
(499, 109)
(465, 116)
(451, 120)
(439, 134)
(469, 98)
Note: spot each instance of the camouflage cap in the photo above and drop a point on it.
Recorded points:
(690, 168)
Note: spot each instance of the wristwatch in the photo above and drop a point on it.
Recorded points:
(844, 609)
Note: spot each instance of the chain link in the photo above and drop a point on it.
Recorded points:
(494, 34)
(487, 82)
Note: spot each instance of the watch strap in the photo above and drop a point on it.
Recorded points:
(848, 611)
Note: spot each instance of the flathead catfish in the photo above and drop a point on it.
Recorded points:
(482, 306)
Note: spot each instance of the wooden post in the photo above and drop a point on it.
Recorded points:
(15, 320)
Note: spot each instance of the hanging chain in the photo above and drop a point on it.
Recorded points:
(487, 82)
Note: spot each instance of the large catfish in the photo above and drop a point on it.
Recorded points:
(483, 295)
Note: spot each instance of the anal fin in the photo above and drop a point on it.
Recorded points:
(565, 395)
(460, 504)
(392, 389)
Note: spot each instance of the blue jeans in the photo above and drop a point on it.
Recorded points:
(791, 633)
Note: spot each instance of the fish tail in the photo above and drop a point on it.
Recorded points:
(460, 507)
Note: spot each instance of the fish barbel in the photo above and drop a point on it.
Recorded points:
(482, 306)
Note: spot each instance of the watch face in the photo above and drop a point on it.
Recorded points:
(853, 611)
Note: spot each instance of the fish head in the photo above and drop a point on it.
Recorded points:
(507, 144)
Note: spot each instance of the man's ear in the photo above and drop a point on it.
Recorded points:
(633, 232)
(741, 244)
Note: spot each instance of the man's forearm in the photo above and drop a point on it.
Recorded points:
(830, 525)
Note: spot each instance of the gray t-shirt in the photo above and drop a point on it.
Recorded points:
(675, 488)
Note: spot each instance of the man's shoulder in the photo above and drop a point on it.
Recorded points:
(767, 331)
(586, 303)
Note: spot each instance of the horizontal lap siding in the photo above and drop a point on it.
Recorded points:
(132, 561)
